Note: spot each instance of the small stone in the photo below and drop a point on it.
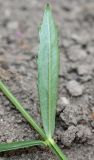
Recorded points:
(65, 101)
(81, 37)
(10, 39)
(6, 103)
(19, 121)
(1, 120)
(84, 133)
(86, 78)
(12, 25)
(7, 13)
(22, 70)
(84, 70)
(75, 53)
(58, 134)
(74, 88)
(67, 42)
(70, 115)
(62, 103)
(73, 114)
(68, 136)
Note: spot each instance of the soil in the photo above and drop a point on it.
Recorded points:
(19, 22)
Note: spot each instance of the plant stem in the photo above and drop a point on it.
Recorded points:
(50, 142)
(54, 147)
(21, 109)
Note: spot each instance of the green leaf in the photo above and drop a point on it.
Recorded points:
(48, 70)
(19, 145)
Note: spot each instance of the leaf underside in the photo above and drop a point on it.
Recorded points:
(18, 145)
(48, 70)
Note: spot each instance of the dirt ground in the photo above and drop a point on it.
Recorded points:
(19, 22)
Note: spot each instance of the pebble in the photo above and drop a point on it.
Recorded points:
(70, 115)
(67, 43)
(80, 132)
(86, 78)
(84, 70)
(6, 102)
(7, 13)
(12, 25)
(74, 88)
(84, 133)
(62, 103)
(22, 69)
(73, 114)
(81, 37)
(75, 53)
(68, 136)
(65, 101)
(58, 134)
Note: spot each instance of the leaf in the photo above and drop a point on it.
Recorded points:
(19, 145)
(48, 70)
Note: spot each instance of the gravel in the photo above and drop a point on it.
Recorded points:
(74, 88)
(84, 70)
(68, 136)
(75, 53)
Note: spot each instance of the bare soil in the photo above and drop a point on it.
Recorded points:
(19, 22)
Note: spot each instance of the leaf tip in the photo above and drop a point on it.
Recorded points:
(48, 7)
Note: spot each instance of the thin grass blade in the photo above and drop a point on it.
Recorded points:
(21, 109)
(18, 145)
(48, 70)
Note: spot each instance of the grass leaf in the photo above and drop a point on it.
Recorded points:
(48, 69)
(21, 109)
(19, 145)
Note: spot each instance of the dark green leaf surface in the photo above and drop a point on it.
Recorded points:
(48, 69)
(19, 145)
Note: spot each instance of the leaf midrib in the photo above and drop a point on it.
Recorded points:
(49, 76)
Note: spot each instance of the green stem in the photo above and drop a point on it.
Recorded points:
(54, 147)
(50, 142)
(21, 109)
